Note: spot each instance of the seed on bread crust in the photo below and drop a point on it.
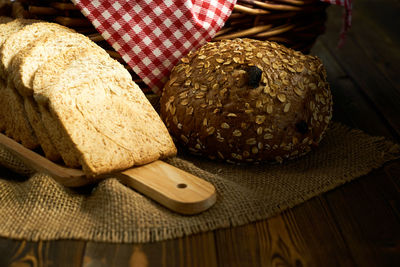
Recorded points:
(260, 101)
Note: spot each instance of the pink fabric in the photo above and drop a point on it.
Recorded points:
(152, 35)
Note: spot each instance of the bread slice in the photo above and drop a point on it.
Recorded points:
(105, 115)
(35, 120)
(16, 124)
(29, 59)
(72, 65)
(6, 29)
(23, 33)
(59, 138)
(68, 69)
(111, 129)
(64, 67)
(23, 37)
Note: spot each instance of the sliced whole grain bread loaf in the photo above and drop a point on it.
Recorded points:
(23, 37)
(12, 47)
(105, 115)
(28, 60)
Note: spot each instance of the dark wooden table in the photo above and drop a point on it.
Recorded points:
(357, 224)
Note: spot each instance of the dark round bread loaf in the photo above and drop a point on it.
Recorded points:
(245, 100)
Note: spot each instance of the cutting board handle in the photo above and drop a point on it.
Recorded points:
(174, 188)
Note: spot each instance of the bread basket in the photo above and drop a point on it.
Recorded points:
(294, 23)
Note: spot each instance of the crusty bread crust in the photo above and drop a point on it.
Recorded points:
(245, 100)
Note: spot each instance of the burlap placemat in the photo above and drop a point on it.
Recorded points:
(38, 208)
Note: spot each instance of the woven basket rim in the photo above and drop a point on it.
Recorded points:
(295, 23)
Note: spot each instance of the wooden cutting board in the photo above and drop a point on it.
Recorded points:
(173, 188)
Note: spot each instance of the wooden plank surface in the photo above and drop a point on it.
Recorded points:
(362, 68)
(196, 250)
(350, 105)
(371, 231)
(357, 224)
(17, 253)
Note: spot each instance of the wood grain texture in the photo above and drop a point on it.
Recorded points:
(366, 30)
(302, 236)
(282, 244)
(350, 105)
(196, 250)
(174, 188)
(321, 237)
(16, 253)
(356, 63)
(371, 231)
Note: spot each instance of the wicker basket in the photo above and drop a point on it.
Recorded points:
(294, 23)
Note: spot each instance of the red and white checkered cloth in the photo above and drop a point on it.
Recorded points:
(152, 35)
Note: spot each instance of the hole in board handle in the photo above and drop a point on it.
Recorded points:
(181, 186)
